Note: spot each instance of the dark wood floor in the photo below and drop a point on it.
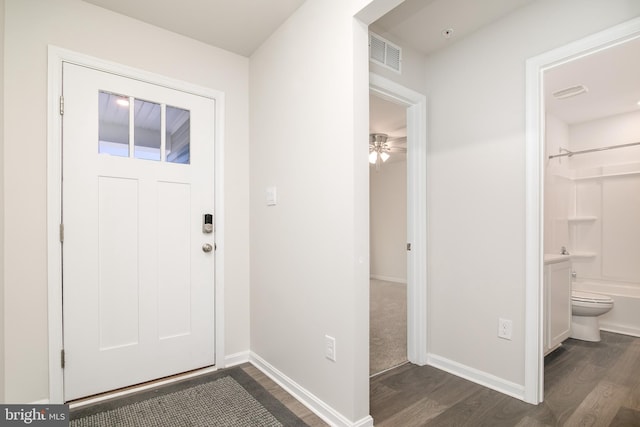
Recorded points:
(311, 419)
(586, 384)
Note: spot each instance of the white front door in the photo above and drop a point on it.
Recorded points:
(138, 271)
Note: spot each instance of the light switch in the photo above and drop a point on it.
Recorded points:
(271, 196)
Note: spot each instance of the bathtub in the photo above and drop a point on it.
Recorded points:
(624, 318)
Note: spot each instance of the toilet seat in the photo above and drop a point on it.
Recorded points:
(587, 297)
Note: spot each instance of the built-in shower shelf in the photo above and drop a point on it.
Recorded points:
(575, 219)
(583, 255)
(600, 176)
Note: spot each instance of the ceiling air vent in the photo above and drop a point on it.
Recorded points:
(385, 53)
(570, 91)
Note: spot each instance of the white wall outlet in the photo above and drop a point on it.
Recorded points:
(505, 328)
(330, 347)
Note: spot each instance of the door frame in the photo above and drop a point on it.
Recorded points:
(417, 303)
(534, 161)
(56, 57)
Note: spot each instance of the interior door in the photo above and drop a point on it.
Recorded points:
(138, 260)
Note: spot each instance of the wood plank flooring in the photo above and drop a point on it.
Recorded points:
(586, 384)
(311, 419)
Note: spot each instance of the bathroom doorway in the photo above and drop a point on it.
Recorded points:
(589, 176)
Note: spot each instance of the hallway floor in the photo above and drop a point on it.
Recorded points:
(586, 384)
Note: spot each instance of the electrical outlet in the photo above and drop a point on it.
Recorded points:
(330, 347)
(505, 328)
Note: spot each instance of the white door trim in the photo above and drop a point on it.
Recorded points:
(54, 198)
(416, 103)
(536, 66)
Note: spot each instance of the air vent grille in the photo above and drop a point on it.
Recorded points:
(377, 49)
(385, 53)
(570, 91)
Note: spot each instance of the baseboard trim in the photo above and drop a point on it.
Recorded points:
(479, 377)
(365, 422)
(40, 402)
(619, 329)
(308, 399)
(236, 359)
(388, 279)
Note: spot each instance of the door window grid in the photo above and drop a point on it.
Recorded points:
(159, 132)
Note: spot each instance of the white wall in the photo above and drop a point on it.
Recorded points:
(388, 216)
(309, 254)
(30, 26)
(476, 178)
(2, 388)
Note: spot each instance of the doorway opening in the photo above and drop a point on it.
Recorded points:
(414, 105)
(552, 218)
(387, 235)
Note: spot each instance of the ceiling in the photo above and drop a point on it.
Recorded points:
(239, 26)
(419, 24)
(612, 77)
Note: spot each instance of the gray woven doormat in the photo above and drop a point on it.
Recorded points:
(229, 398)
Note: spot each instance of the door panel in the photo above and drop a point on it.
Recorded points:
(138, 290)
(118, 285)
(174, 308)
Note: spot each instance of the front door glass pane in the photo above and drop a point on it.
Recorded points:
(178, 135)
(113, 128)
(146, 133)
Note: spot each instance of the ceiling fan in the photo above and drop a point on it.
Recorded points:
(381, 147)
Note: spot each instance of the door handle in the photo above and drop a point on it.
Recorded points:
(207, 247)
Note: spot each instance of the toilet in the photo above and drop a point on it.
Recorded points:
(585, 309)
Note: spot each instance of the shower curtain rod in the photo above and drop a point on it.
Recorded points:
(568, 153)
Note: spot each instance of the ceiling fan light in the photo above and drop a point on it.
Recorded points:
(373, 156)
(384, 156)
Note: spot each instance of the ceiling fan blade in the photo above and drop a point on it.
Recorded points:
(397, 139)
(398, 149)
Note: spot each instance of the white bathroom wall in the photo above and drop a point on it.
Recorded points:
(388, 216)
(621, 228)
(607, 189)
(612, 130)
(558, 187)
